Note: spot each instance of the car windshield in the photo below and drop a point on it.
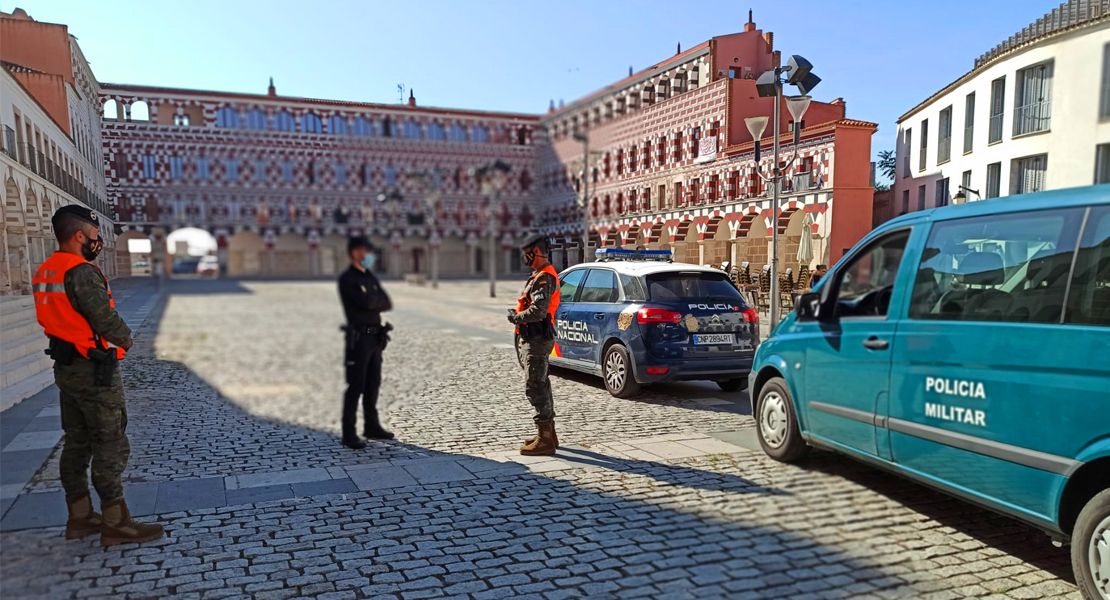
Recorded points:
(666, 287)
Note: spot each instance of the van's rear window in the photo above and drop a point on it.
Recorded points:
(666, 287)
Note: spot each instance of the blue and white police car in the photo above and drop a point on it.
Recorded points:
(635, 317)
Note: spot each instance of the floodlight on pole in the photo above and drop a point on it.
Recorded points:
(756, 127)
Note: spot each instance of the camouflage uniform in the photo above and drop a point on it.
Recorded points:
(94, 418)
(536, 350)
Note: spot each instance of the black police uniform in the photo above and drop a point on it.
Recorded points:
(363, 302)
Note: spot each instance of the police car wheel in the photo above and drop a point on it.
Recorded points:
(732, 385)
(776, 425)
(616, 370)
(1090, 548)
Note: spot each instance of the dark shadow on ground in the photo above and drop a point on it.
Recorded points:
(733, 402)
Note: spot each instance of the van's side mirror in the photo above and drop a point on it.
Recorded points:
(808, 306)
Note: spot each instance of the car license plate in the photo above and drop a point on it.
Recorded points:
(713, 338)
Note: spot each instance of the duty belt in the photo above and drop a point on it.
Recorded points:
(367, 329)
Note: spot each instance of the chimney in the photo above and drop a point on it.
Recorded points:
(630, 70)
(412, 99)
(551, 107)
(271, 91)
(679, 51)
(843, 107)
(770, 38)
(750, 25)
(776, 59)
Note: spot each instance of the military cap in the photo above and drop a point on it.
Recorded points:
(359, 241)
(85, 214)
(534, 239)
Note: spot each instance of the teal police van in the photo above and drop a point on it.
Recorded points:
(967, 348)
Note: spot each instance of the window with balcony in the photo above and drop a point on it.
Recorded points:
(337, 125)
(363, 127)
(284, 121)
(149, 167)
(969, 122)
(620, 162)
(175, 167)
(1027, 175)
(944, 136)
(310, 123)
(411, 130)
(390, 176)
(994, 180)
(231, 169)
(481, 134)
(924, 150)
(387, 127)
(227, 117)
(677, 147)
(1033, 99)
(435, 131)
(697, 141)
(998, 109)
(256, 119)
(202, 168)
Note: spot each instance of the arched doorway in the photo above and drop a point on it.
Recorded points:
(16, 263)
(245, 251)
(186, 246)
(291, 256)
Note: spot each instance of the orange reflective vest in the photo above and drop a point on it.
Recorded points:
(54, 311)
(524, 301)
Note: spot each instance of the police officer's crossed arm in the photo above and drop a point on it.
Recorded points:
(540, 296)
(88, 294)
(370, 297)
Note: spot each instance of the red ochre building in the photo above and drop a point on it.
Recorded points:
(281, 182)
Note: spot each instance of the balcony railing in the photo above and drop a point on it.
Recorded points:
(1032, 117)
(995, 134)
(9, 143)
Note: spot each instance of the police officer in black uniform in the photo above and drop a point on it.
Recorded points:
(364, 301)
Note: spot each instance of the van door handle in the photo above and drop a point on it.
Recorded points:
(875, 343)
(599, 316)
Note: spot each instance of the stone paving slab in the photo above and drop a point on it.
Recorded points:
(190, 494)
(438, 472)
(282, 477)
(31, 511)
(322, 488)
(382, 478)
(34, 440)
(263, 493)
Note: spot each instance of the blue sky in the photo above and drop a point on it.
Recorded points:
(882, 57)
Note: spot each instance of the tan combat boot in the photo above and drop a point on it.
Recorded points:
(120, 528)
(83, 520)
(532, 440)
(544, 444)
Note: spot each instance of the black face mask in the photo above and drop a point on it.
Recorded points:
(91, 248)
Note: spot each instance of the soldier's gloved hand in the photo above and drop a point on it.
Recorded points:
(513, 317)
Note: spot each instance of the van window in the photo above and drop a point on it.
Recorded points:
(1008, 267)
(867, 281)
(1089, 297)
(696, 285)
(633, 289)
(569, 285)
(601, 286)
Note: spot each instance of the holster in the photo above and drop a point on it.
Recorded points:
(106, 363)
(63, 352)
(385, 339)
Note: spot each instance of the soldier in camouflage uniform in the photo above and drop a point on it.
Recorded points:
(534, 318)
(72, 297)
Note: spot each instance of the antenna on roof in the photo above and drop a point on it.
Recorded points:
(400, 93)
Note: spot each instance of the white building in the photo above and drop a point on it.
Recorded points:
(1034, 114)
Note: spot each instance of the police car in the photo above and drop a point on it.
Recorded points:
(635, 317)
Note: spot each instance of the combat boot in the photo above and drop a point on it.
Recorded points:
(544, 444)
(373, 430)
(120, 528)
(532, 440)
(83, 520)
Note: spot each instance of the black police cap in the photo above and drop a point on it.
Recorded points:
(85, 214)
(534, 239)
(359, 241)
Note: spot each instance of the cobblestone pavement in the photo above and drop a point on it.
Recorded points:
(243, 379)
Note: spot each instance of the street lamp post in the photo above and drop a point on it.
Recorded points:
(769, 85)
(433, 191)
(492, 178)
(585, 205)
(393, 197)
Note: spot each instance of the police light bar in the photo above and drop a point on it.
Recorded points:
(609, 254)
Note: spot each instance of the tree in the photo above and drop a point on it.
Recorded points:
(888, 164)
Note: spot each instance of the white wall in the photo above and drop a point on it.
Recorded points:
(1070, 144)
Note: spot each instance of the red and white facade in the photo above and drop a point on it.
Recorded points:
(282, 182)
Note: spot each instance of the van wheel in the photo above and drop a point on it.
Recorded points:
(732, 385)
(776, 424)
(1090, 547)
(616, 370)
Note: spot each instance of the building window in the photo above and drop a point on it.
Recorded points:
(481, 134)
(175, 167)
(1033, 99)
(909, 149)
(943, 196)
(435, 131)
(256, 119)
(231, 169)
(905, 201)
(181, 120)
(969, 122)
(366, 174)
(1102, 163)
(998, 108)
(924, 151)
(340, 174)
(283, 121)
(337, 125)
(286, 172)
(965, 181)
(411, 130)
(458, 133)
(1027, 174)
(944, 136)
(227, 117)
(994, 180)
(363, 127)
(920, 197)
(260, 171)
(202, 168)
(148, 166)
(390, 176)
(310, 123)
(697, 141)
(1104, 105)
(387, 127)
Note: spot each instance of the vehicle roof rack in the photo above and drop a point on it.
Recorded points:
(611, 254)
